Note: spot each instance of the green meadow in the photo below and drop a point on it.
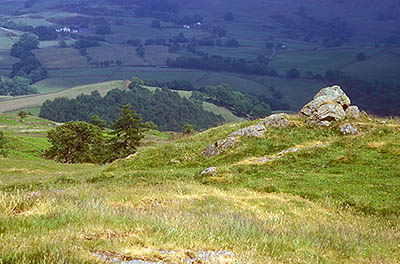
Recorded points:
(333, 201)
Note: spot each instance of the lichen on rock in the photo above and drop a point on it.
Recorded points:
(277, 120)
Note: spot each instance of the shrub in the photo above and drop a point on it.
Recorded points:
(76, 142)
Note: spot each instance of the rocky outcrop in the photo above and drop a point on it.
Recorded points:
(329, 104)
(251, 131)
(219, 146)
(230, 141)
(276, 120)
(329, 112)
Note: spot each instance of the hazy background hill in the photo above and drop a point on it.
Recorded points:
(282, 52)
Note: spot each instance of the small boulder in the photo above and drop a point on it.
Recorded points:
(353, 112)
(251, 131)
(209, 171)
(277, 120)
(349, 129)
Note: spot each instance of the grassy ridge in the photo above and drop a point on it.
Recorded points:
(333, 201)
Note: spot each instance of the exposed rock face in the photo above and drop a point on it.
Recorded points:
(219, 146)
(209, 171)
(251, 131)
(276, 120)
(329, 112)
(336, 94)
(329, 104)
(353, 112)
(349, 129)
(230, 141)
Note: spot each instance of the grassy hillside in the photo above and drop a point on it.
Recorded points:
(335, 200)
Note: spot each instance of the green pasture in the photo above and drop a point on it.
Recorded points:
(155, 55)
(58, 84)
(316, 61)
(4, 72)
(225, 113)
(382, 67)
(32, 21)
(49, 44)
(238, 82)
(6, 61)
(34, 111)
(6, 43)
(81, 71)
(60, 58)
(140, 28)
(296, 93)
(160, 74)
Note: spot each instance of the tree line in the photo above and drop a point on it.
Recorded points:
(26, 71)
(167, 109)
(238, 103)
(228, 64)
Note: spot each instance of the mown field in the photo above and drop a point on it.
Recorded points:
(333, 201)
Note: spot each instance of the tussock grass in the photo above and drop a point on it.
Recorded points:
(333, 201)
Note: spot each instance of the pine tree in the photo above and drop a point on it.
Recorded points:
(127, 133)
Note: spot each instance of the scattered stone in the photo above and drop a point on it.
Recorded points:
(191, 258)
(175, 161)
(263, 160)
(277, 120)
(251, 131)
(219, 146)
(349, 129)
(353, 112)
(117, 260)
(131, 156)
(287, 151)
(210, 171)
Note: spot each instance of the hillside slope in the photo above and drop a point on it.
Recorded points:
(334, 200)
